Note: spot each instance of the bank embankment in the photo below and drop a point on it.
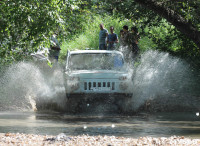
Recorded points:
(82, 140)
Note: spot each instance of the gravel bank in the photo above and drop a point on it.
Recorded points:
(83, 140)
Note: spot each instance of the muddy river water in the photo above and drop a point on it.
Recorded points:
(158, 76)
(143, 124)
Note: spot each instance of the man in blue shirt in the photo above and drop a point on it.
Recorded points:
(112, 39)
(103, 34)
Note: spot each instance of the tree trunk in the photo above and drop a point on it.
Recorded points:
(174, 18)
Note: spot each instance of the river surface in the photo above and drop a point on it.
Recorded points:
(53, 123)
(163, 85)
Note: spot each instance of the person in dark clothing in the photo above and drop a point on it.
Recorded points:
(121, 39)
(125, 34)
(134, 39)
(131, 38)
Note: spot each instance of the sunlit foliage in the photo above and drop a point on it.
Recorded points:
(27, 25)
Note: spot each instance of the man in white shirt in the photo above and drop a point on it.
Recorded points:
(54, 47)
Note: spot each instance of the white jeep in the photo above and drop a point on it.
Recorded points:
(96, 74)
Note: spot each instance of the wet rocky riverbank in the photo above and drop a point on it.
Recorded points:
(82, 140)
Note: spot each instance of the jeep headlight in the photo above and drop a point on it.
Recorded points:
(73, 82)
(73, 78)
(123, 85)
(74, 86)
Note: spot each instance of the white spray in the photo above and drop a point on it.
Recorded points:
(24, 85)
(159, 75)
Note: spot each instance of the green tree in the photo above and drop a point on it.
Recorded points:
(26, 25)
(182, 14)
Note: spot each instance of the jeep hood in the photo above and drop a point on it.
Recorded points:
(97, 73)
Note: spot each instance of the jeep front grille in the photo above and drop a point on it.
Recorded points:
(97, 85)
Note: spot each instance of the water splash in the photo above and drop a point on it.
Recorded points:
(24, 84)
(33, 86)
(159, 75)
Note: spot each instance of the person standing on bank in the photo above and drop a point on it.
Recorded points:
(121, 39)
(125, 34)
(133, 40)
(54, 47)
(103, 34)
(112, 39)
(125, 43)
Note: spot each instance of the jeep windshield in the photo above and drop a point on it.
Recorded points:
(95, 61)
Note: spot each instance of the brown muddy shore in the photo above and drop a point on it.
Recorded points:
(83, 140)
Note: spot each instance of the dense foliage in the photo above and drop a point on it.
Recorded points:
(27, 25)
(182, 36)
(172, 26)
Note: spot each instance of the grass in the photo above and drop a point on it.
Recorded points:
(90, 37)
